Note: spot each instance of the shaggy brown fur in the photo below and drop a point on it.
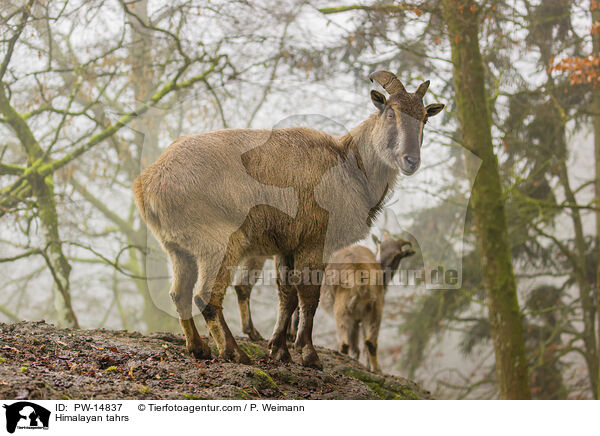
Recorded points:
(215, 199)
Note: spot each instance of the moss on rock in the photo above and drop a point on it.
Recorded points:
(262, 380)
(254, 351)
(381, 387)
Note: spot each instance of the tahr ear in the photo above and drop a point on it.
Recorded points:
(378, 99)
(434, 109)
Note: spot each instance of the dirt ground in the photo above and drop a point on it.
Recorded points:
(41, 361)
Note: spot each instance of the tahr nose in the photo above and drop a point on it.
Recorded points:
(411, 162)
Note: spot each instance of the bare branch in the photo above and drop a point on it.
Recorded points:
(10, 169)
(15, 38)
(123, 225)
(385, 9)
(21, 256)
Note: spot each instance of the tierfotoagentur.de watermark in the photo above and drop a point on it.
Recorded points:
(346, 278)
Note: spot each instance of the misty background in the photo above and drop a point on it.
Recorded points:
(91, 92)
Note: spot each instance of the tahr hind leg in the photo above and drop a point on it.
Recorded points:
(209, 299)
(185, 274)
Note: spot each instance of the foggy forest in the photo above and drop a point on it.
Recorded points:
(498, 298)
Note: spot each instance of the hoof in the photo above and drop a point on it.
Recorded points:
(254, 335)
(281, 354)
(310, 359)
(236, 355)
(200, 350)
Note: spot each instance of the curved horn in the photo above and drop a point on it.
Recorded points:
(423, 87)
(389, 82)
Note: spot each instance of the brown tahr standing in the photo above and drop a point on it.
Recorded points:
(215, 199)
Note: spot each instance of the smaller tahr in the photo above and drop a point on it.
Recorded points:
(353, 288)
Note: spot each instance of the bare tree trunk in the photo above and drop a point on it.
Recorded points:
(587, 303)
(461, 17)
(42, 189)
(59, 266)
(142, 70)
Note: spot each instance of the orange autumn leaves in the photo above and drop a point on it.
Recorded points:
(582, 70)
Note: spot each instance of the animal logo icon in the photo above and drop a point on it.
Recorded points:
(26, 415)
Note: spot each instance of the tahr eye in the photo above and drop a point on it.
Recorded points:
(390, 114)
